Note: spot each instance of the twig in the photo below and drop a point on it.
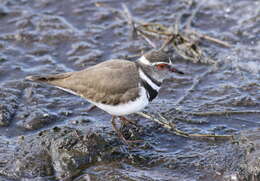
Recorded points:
(188, 156)
(188, 28)
(131, 23)
(191, 121)
(223, 113)
(166, 125)
(147, 39)
(183, 45)
(167, 42)
(152, 34)
(134, 56)
(173, 128)
(209, 38)
(206, 37)
(162, 30)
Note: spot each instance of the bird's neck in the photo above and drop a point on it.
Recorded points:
(147, 71)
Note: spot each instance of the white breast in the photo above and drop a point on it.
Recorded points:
(126, 108)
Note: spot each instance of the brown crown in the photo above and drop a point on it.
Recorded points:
(157, 56)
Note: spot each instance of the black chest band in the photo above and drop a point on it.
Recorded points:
(152, 93)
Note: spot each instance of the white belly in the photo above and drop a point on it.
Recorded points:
(122, 109)
(127, 108)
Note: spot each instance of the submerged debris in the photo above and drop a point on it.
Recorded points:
(184, 43)
(169, 125)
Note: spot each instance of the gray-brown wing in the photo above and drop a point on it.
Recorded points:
(110, 82)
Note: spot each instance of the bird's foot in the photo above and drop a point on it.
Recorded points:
(120, 135)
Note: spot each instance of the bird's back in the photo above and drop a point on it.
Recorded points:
(110, 82)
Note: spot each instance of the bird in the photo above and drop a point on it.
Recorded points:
(117, 86)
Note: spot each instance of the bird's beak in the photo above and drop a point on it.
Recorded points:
(172, 69)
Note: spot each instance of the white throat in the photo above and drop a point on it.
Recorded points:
(143, 60)
(148, 80)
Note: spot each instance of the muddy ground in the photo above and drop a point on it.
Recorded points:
(46, 134)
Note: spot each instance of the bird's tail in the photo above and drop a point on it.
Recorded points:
(36, 78)
(46, 78)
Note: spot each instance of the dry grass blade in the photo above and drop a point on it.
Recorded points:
(148, 40)
(128, 14)
(130, 20)
(182, 42)
(190, 121)
(189, 30)
(134, 30)
(166, 124)
(155, 28)
(184, 46)
(206, 37)
(167, 42)
(187, 49)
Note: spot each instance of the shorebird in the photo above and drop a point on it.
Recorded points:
(119, 87)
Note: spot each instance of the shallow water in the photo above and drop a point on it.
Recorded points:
(44, 36)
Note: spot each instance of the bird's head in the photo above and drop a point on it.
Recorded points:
(158, 64)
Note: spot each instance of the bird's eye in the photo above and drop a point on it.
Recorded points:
(161, 66)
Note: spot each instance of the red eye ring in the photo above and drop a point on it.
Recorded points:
(161, 66)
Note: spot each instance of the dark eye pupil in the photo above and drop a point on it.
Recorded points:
(162, 66)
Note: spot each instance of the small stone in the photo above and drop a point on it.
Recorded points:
(36, 120)
(3, 11)
(6, 113)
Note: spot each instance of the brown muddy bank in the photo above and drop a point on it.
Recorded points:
(46, 134)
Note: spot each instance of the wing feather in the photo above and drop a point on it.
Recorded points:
(110, 82)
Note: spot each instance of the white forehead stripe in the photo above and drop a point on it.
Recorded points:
(149, 81)
(156, 63)
(144, 60)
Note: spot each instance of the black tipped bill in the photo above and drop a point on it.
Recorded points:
(172, 69)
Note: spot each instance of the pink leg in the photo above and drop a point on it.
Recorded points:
(125, 141)
(117, 131)
(127, 121)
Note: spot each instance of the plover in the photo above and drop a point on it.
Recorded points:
(119, 87)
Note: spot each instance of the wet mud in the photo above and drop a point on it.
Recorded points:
(46, 134)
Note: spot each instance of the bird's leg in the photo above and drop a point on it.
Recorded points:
(127, 121)
(117, 131)
(91, 108)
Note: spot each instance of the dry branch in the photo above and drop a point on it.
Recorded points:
(223, 113)
(172, 127)
(181, 42)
